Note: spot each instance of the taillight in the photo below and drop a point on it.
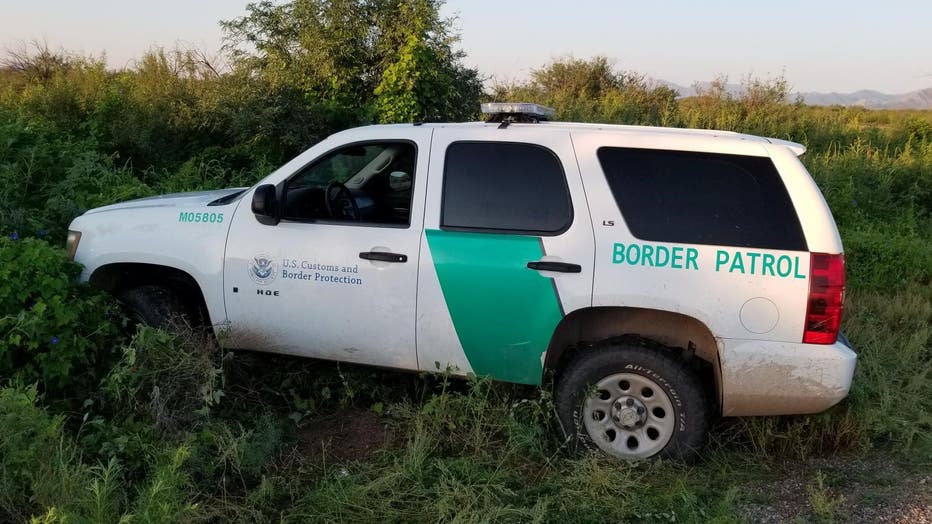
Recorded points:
(826, 298)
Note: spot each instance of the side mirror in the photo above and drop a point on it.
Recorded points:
(265, 204)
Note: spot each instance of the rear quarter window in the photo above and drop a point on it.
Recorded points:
(702, 198)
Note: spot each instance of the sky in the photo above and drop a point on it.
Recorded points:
(818, 45)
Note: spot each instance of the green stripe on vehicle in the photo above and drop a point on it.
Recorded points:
(503, 312)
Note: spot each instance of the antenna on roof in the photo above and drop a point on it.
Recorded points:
(522, 112)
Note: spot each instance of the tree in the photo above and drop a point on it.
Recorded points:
(575, 78)
(35, 62)
(424, 78)
(390, 60)
(593, 91)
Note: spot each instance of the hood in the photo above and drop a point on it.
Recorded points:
(175, 200)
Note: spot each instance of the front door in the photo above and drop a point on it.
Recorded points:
(336, 278)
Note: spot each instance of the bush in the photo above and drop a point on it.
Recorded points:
(881, 260)
(171, 379)
(891, 397)
(42, 475)
(38, 465)
(53, 330)
(46, 179)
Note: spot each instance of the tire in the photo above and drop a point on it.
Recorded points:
(633, 402)
(156, 306)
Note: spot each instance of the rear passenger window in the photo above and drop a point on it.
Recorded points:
(702, 198)
(504, 187)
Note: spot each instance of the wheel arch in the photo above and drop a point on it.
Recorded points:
(584, 328)
(118, 276)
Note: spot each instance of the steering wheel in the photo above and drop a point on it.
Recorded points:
(339, 198)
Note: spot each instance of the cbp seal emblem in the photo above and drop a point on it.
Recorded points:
(262, 269)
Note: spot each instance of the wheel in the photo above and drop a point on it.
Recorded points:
(633, 402)
(155, 306)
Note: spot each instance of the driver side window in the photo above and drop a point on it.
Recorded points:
(370, 183)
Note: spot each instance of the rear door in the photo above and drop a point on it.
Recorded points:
(507, 251)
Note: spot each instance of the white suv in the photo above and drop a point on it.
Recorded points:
(659, 276)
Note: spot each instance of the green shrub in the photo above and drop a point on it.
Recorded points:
(868, 186)
(884, 260)
(891, 396)
(172, 380)
(91, 180)
(233, 454)
(210, 170)
(53, 330)
(42, 474)
(38, 464)
(32, 158)
(47, 178)
(164, 497)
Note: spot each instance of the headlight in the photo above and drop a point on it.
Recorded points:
(71, 245)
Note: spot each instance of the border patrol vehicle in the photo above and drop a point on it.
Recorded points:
(658, 276)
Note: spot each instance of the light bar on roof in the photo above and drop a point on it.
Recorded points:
(518, 108)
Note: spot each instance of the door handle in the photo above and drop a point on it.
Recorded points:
(561, 267)
(382, 256)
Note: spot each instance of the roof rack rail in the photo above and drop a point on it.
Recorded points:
(520, 112)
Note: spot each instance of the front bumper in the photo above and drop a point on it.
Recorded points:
(781, 378)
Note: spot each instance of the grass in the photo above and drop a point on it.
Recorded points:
(454, 451)
(826, 506)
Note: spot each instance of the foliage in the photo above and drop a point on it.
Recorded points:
(42, 474)
(172, 379)
(592, 91)
(423, 79)
(74, 135)
(825, 506)
(391, 59)
(47, 178)
(33, 460)
(52, 331)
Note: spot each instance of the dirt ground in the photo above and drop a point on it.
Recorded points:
(866, 489)
(347, 435)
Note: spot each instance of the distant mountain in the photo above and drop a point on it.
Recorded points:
(921, 99)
